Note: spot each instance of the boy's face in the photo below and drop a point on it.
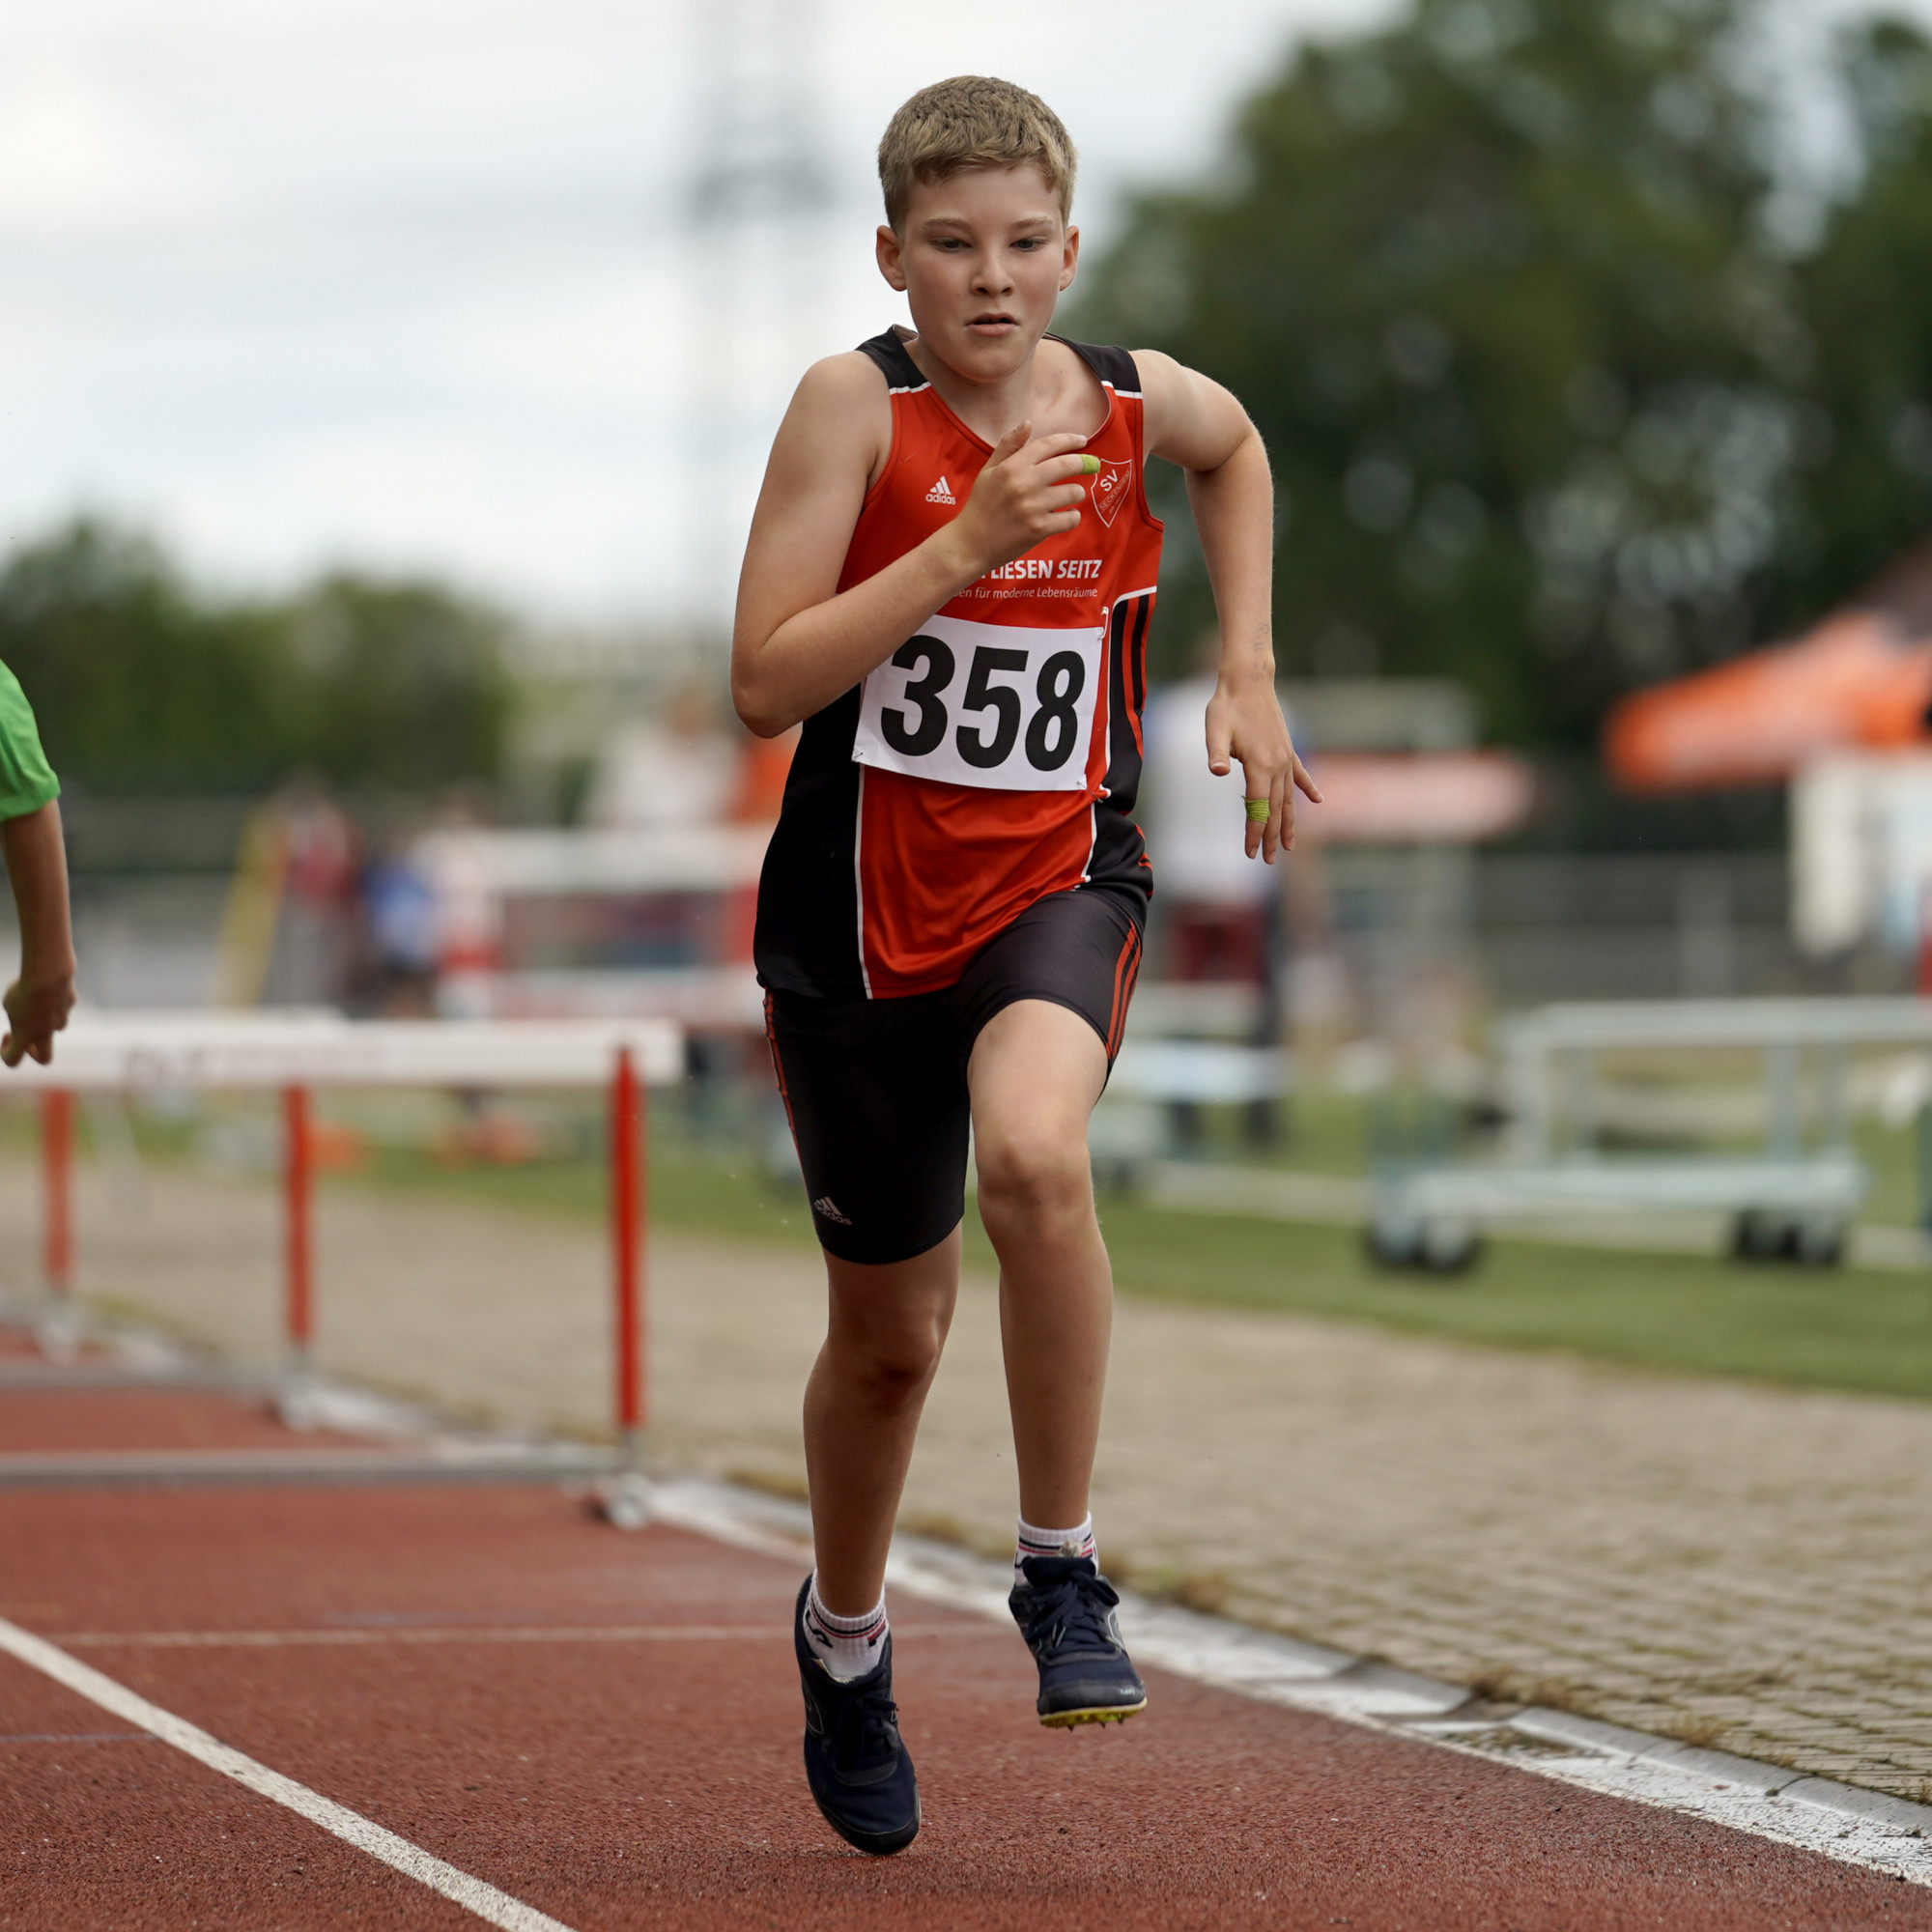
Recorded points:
(983, 260)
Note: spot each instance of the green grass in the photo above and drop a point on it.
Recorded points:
(689, 1190)
(1841, 1328)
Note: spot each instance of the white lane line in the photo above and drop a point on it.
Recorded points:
(493, 1906)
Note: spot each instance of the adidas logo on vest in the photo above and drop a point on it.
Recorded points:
(941, 493)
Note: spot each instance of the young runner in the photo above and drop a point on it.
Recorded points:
(39, 1001)
(949, 580)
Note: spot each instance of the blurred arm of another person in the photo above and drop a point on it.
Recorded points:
(39, 1001)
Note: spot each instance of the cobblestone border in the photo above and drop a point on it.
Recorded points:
(1817, 1814)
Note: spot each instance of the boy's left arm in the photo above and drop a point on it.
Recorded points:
(39, 1001)
(1198, 424)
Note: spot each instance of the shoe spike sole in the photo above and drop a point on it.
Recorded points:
(1119, 1714)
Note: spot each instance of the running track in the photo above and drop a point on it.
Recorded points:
(606, 1728)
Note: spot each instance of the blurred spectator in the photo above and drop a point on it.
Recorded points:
(677, 769)
(765, 765)
(315, 933)
(1221, 910)
(1218, 900)
(400, 914)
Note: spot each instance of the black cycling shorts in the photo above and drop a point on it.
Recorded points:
(875, 1090)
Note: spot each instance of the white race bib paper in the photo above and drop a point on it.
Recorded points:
(985, 704)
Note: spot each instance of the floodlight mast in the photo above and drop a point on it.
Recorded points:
(760, 185)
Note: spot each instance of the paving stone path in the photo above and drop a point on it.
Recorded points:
(1734, 1564)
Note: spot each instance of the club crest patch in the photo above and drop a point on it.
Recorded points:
(1109, 489)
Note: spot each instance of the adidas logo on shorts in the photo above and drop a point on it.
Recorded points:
(825, 1205)
(939, 492)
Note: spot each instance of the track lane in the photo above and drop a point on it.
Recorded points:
(105, 1832)
(42, 1419)
(617, 1784)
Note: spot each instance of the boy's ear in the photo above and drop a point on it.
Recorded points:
(1069, 263)
(891, 256)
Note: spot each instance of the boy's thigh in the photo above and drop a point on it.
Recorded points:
(1037, 1071)
(877, 1101)
(1078, 949)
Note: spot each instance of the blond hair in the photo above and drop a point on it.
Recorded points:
(973, 122)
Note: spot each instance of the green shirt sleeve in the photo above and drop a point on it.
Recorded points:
(26, 779)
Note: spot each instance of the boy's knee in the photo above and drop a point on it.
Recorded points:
(898, 1373)
(893, 1367)
(1034, 1171)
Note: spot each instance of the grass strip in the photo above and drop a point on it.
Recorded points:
(1866, 1331)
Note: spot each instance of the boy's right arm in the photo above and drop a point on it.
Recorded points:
(799, 640)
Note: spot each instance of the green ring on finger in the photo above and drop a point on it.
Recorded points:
(1256, 810)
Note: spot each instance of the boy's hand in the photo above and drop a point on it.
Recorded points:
(36, 1008)
(1245, 724)
(1025, 494)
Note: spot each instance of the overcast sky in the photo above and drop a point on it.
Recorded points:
(409, 283)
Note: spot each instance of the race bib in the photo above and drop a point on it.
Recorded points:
(985, 704)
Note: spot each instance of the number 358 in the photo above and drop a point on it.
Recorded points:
(1050, 733)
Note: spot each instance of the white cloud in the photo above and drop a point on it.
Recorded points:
(432, 308)
(74, 158)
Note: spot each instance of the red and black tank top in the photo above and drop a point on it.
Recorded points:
(994, 758)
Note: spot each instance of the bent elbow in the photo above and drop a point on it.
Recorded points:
(755, 710)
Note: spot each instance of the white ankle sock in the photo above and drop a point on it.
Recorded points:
(1035, 1542)
(848, 1647)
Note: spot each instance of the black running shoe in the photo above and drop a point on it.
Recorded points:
(1067, 1611)
(860, 1773)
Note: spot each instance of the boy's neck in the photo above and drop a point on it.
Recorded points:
(1036, 390)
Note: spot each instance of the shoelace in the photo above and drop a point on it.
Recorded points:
(868, 1733)
(1072, 1617)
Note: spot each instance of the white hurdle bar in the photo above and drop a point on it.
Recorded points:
(294, 1053)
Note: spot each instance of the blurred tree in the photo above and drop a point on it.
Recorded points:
(1493, 284)
(140, 684)
(402, 685)
(1867, 291)
(130, 677)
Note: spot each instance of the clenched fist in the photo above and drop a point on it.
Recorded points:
(1025, 494)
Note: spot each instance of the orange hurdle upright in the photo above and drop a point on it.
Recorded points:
(299, 1313)
(57, 1190)
(627, 1229)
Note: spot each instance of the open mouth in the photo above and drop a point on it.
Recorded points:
(995, 322)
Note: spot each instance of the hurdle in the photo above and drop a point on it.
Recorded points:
(293, 1054)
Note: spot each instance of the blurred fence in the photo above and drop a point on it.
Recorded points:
(152, 877)
(1533, 928)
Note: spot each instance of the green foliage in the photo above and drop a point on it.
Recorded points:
(140, 684)
(1542, 398)
(1868, 293)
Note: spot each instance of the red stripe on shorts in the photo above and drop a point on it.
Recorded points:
(1127, 970)
(778, 1065)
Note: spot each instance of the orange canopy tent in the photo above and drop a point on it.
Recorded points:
(1861, 679)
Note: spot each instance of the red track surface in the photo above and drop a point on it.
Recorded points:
(629, 1756)
(19, 1346)
(142, 1418)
